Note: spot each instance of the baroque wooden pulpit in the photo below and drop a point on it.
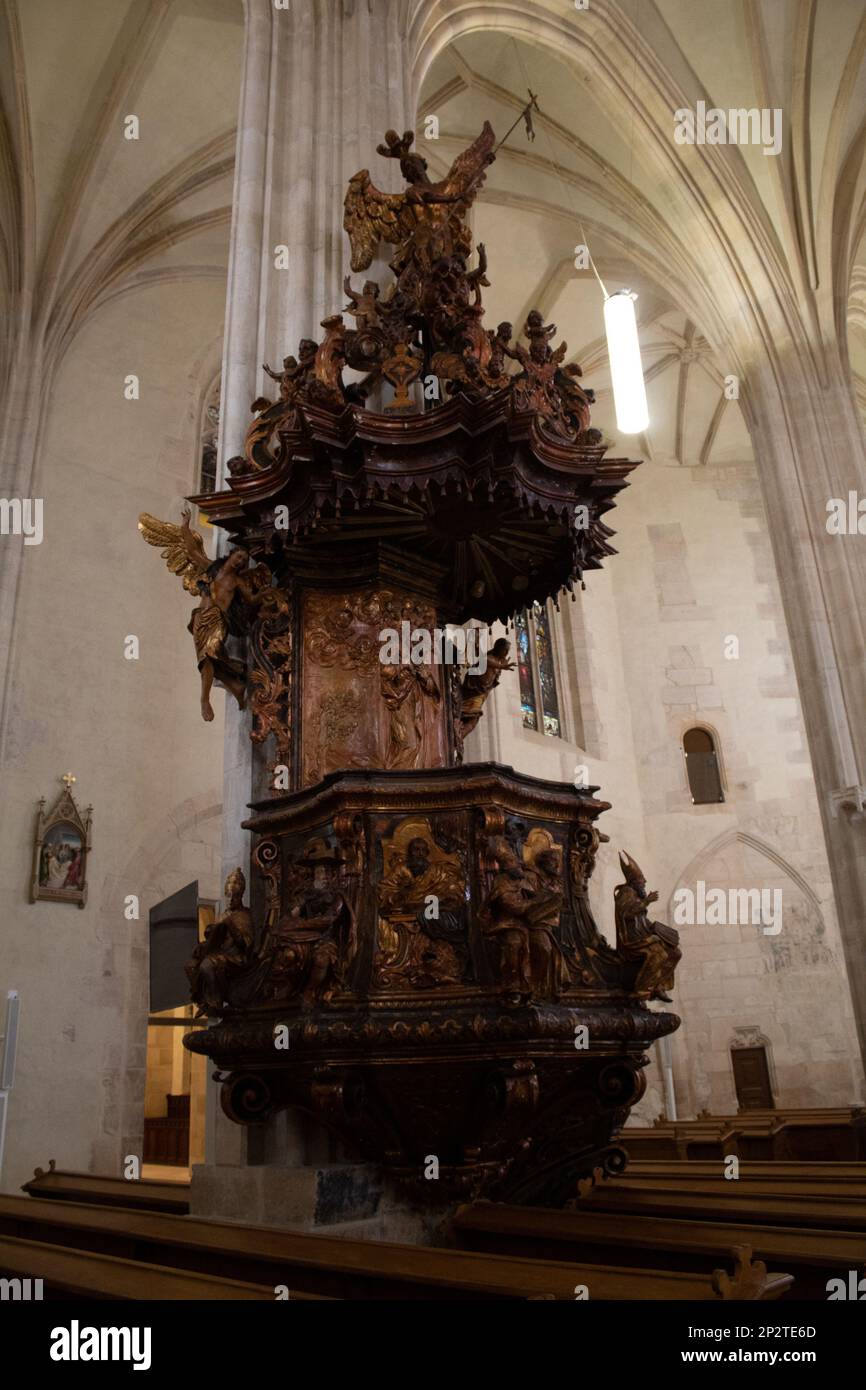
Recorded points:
(419, 966)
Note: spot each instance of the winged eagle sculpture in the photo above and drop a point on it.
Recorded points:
(426, 221)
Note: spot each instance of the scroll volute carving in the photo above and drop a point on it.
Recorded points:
(266, 858)
(491, 828)
(587, 839)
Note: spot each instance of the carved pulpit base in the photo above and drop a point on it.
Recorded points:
(429, 983)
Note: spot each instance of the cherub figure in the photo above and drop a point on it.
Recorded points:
(477, 349)
(295, 370)
(475, 689)
(363, 306)
(286, 377)
(539, 334)
(221, 584)
(276, 415)
(534, 386)
(500, 348)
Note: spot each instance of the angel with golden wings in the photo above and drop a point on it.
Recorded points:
(426, 222)
(220, 584)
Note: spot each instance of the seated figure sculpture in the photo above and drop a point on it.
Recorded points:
(302, 951)
(653, 945)
(436, 941)
(225, 953)
(520, 918)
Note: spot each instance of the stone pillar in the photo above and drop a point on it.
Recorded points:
(810, 447)
(322, 82)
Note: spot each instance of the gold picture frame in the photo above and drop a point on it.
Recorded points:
(60, 850)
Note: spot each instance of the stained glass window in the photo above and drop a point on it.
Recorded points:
(546, 673)
(539, 697)
(210, 424)
(525, 670)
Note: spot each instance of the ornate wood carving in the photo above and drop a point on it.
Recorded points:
(272, 679)
(417, 1011)
(426, 933)
(422, 940)
(363, 712)
(652, 945)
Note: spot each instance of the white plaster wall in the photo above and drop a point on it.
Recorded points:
(129, 730)
(694, 567)
(797, 995)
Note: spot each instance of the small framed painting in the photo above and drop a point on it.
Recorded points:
(61, 849)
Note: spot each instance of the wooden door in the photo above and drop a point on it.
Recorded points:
(752, 1078)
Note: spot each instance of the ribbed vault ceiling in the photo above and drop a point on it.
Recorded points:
(706, 237)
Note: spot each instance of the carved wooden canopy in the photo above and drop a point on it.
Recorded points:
(482, 473)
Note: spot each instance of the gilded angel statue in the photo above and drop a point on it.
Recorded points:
(426, 221)
(225, 586)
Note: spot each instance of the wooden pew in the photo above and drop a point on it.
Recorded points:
(804, 1137)
(145, 1195)
(70, 1273)
(682, 1140)
(783, 1171)
(819, 1180)
(815, 1114)
(655, 1242)
(363, 1270)
(723, 1204)
(827, 1134)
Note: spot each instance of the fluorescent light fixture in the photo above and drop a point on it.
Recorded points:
(629, 393)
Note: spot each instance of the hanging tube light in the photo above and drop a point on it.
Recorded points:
(629, 393)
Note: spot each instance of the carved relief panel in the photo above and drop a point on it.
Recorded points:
(312, 903)
(520, 916)
(358, 710)
(422, 931)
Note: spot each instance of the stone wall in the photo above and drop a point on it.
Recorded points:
(130, 730)
(651, 633)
